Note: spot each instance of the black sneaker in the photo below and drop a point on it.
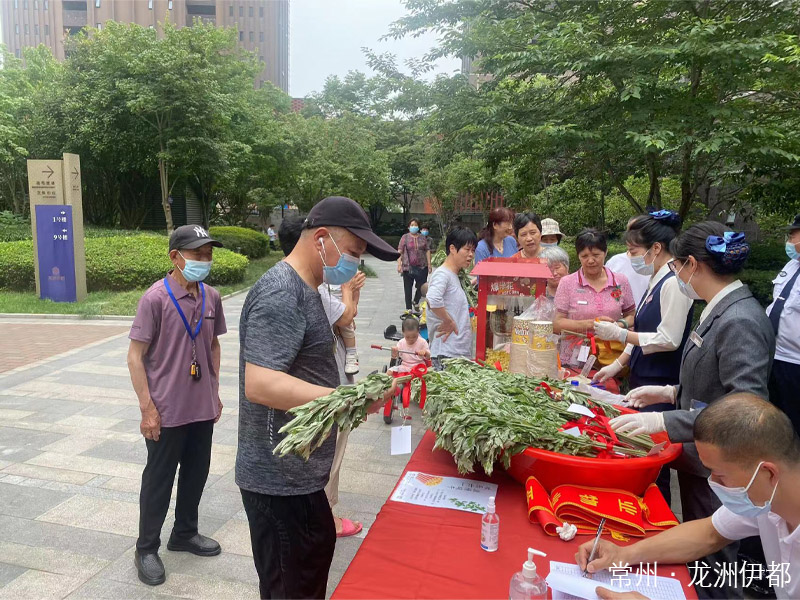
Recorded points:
(150, 568)
(199, 545)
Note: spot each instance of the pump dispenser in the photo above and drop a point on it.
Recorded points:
(527, 585)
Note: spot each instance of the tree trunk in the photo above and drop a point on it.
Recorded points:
(654, 195)
(163, 172)
(623, 190)
(686, 180)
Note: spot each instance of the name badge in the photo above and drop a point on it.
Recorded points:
(582, 302)
(649, 300)
(696, 339)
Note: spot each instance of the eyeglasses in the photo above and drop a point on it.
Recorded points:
(672, 266)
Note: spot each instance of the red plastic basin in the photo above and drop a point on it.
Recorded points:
(632, 474)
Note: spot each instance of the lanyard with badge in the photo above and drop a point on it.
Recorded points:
(194, 369)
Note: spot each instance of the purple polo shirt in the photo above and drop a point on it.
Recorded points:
(177, 396)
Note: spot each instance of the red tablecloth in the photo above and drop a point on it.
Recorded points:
(419, 552)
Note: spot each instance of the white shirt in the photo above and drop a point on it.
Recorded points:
(781, 548)
(445, 291)
(620, 263)
(271, 233)
(787, 346)
(731, 287)
(674, 308)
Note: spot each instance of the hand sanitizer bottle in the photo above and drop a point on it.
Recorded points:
(527, 585)
(490, 528)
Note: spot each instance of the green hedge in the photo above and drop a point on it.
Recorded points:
(242, 240)
(120, 263)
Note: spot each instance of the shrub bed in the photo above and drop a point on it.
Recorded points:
(242, 240)
(120, 263)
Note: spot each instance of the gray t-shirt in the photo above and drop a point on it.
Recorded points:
(284, 328)
(445, 291)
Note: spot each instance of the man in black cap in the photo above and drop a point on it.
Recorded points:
(174, 360)
(286, 359)
(784, 313)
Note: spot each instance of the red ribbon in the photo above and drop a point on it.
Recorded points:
(546, 388)
(417, 372)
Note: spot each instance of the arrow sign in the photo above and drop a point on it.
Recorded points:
(75, 172)
(49, 171)
(64, 231)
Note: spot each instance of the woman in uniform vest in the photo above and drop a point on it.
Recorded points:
(663, 318)
(729, 351)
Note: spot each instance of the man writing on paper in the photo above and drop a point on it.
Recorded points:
(753, 453)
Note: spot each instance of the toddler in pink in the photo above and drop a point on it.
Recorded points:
(411, 342)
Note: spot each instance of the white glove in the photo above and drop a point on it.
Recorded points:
(609, 371)
(651, 394)
(610, 331)
(639, 423)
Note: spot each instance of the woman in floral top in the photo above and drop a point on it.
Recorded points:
(414, 263)
(592, 293)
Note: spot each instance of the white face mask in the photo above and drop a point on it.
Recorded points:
(640, 266)
(736, 499)
(686, 287)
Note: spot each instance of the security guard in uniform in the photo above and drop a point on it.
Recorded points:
(784, 313)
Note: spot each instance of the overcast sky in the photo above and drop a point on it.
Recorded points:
(326, 37)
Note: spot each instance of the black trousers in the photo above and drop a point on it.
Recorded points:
(408, 282)
(293, 539)
(187, 445)
(783, 384)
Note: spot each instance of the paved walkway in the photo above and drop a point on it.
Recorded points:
(71, 458)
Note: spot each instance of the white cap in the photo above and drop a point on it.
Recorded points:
(529, 567)
(491, 504)
(550, 227)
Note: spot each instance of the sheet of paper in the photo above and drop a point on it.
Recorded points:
(567, 583)
(401, 440)
(444, 492)
(580, 410)
(573, 431)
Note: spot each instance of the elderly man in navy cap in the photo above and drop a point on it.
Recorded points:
(286, 360)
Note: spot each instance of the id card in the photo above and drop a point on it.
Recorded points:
(696, 339)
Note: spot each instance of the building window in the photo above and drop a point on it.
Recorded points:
(241, 36)
(97, 3)
(17, 53)
(260, 36)
(230, 10)
(16, 28)
(169, 5)
(252, 37)
(241, 11)
(16, 4)
(250, 11)
(261, 11)
(24, 4)
(46, 4)
(152, 26)
(27, 29)
(46, 30)
(99, 26)
(36, 29)
(35, 4)
(150, 4)
(261, 58)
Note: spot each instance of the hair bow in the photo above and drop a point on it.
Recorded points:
(718, 245)
(660, 215)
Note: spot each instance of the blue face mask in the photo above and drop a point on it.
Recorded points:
(738, 502)
(195, 270)
(344, 271)
(791, 251)
(413, 229)
(424, 232)
(549, 245)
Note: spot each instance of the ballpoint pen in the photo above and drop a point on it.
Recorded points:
(594, 546)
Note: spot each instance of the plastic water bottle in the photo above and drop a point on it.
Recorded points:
(490, 528)
(527, 585)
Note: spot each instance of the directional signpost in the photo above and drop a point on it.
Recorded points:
(57, 222)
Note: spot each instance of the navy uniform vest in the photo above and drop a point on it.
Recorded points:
(657, 368)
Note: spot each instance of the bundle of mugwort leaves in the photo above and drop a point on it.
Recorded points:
(346, 407)
(481, 415)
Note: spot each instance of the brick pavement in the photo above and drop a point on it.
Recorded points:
(25, 342)
(71, 458)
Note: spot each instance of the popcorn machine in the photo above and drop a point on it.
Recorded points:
(506, 288)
